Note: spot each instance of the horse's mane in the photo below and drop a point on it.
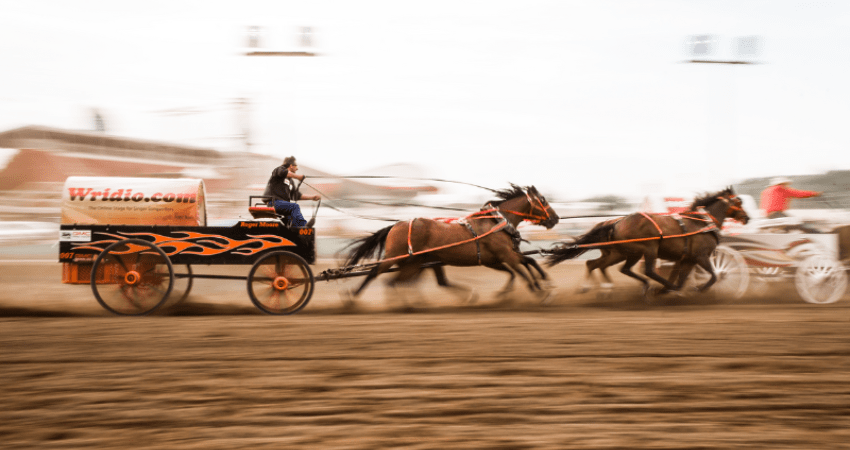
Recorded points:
(514, 191)
(707, 199)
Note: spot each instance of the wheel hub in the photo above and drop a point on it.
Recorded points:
(132, 278)
(280, 283)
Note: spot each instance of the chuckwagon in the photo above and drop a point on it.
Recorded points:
(814, 255)
(758, 256)
(135, 240)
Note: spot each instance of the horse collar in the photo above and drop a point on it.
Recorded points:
(510, 229)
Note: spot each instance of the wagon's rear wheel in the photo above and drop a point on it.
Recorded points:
(132, 277)
(182, 285)
(733, 275)
(820, 279)
(280, 283)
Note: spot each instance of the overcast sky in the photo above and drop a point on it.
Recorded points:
(576, 97)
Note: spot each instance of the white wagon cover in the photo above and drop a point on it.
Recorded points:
(133, 201)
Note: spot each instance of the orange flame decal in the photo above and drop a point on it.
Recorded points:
(199, 243)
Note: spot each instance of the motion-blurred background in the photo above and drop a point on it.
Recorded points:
(606, 106)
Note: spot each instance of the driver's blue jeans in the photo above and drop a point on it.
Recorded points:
(292, 210)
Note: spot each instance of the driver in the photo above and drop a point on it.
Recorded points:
(283, 194)
(776, 198)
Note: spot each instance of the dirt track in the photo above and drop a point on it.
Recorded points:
(583, 372)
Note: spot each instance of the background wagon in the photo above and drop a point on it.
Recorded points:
(765, 252)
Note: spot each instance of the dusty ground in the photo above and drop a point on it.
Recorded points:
(583, 372)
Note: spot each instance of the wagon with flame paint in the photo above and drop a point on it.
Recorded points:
(135, 240)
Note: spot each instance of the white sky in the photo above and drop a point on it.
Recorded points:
(576, 97)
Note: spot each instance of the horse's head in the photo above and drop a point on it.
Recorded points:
(543, 213)
(735, 209)
(723, 205)
(527, 204)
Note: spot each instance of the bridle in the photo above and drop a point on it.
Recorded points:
(733, 204)
(534, 204)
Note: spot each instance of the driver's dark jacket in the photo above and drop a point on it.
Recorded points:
(280, 187)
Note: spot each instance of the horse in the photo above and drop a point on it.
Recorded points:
(689, 239)
(487, 237)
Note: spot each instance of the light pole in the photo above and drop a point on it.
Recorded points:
(255, 47)
(702, 50)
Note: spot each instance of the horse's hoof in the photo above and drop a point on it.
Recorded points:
(348, 298)
(503, 297)
(607, 286)
(649, 295)
(545, 296)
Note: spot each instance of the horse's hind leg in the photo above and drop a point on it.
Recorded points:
(608, 258)
(377, 270)
(469, 295)
(649, 259)
(408, 272)
(631, 260)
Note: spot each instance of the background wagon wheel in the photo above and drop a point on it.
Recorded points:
(132, 277)
(732, 272)
(280, 283)
(820, 279)
(182, 286)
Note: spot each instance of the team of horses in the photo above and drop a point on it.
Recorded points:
(489, 238)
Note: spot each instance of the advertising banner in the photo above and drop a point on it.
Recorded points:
(133, 201)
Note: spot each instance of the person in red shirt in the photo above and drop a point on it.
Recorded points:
(776, 198)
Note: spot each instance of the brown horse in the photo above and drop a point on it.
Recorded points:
(488, 238)
(688, 239)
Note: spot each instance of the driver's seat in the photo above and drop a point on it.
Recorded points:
(261, 210)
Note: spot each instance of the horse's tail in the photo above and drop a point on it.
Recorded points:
(368, 246)
(562, 252)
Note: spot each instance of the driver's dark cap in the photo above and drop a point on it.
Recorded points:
(288, 161)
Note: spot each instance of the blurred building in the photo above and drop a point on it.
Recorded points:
(42, 158)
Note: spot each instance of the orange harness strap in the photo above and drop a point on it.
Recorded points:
(465, 241)
(654, 223)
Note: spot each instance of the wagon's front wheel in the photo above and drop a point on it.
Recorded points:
(820, 279)
(733, 275)
(132, 277)
(280, 283)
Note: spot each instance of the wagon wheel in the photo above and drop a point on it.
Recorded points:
(280, 283)
(132, 277)
(820, 279)
(732, 272)
(182, 286)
